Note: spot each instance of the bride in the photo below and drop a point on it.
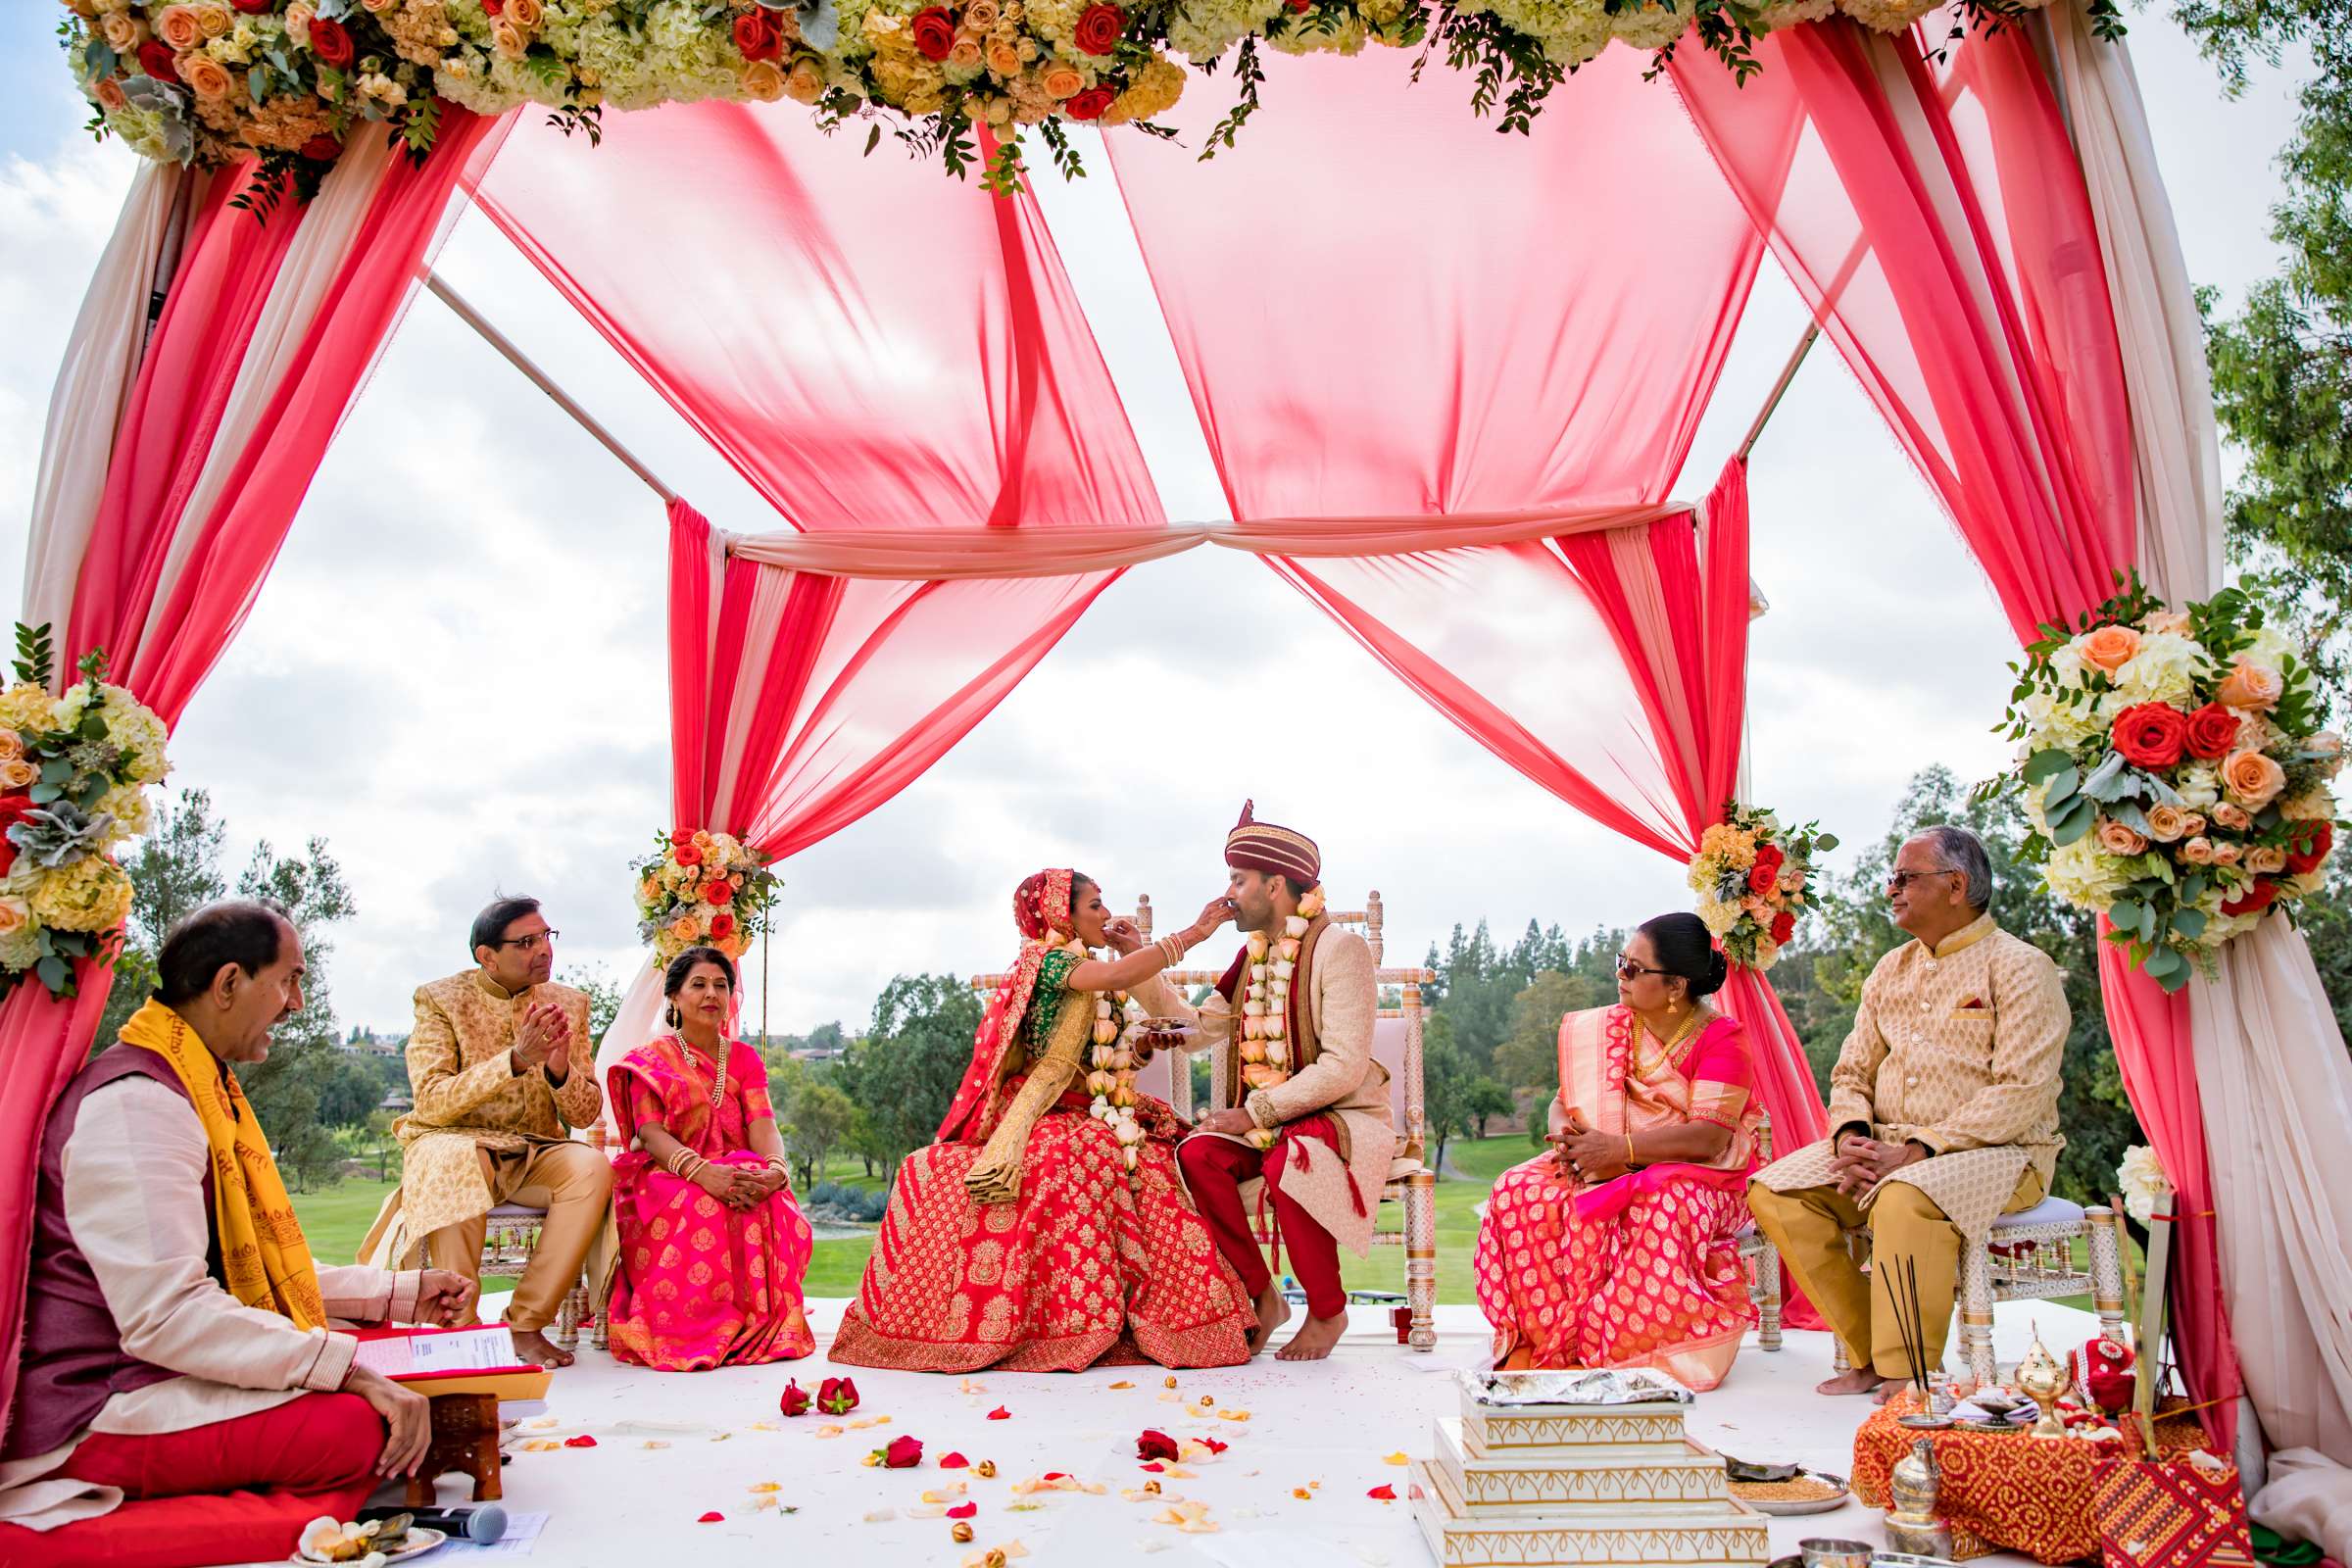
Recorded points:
(1046, 1229)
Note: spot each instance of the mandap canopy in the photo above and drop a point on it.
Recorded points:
(1447, 381)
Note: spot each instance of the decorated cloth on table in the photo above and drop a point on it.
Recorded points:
(2011, 1491)
(2182, 1514)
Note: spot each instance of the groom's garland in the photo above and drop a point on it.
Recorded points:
(1266, 1005)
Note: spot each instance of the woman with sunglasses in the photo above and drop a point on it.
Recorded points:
(1618, 1249)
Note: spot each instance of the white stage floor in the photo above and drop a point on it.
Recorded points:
(670, 1447)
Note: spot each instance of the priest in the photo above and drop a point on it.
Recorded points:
(1301, 1119)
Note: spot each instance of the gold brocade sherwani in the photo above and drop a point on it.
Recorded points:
(1958, 1050)
(470, 1103)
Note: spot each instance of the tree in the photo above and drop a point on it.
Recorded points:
(1483, 1098)
(175, 869)
(377, 1140)
(306, 1077)
(821, 1118)
(902, 1075)
(1529, 1056)
(1445, 1083)
(2283, 365)
(603, 997)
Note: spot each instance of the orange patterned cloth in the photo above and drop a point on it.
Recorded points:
(2012, 1491)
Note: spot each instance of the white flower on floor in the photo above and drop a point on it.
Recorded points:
(2143, 1182)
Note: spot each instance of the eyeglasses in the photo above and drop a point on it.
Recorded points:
(1628, 969)
(533, 941)
(1899, 880)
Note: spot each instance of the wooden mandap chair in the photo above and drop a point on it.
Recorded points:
(1396, 1047)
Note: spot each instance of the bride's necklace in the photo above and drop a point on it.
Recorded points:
(1267, 1044)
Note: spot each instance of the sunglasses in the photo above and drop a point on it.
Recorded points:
(1628, 969)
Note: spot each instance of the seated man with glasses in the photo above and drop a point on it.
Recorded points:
(502, 1068)
(1943, 1114)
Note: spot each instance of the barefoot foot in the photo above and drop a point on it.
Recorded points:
(1314, 1341)
(538, 1350)
(1861, 1380)
(1272, 1313)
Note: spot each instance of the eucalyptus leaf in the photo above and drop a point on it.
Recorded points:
(2163, 793)
(1826, 843)
(43, 794)
(2189, 924)
(2161, 962)
(2075, 825)
(2192, 890)
(54, 974)
(2063, 785)
(2125, 913)
(2045, 763)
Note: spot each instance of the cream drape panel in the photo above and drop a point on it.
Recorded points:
(2272, 1068)
(949, 555)
(93, 384)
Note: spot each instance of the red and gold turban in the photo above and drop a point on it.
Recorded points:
(1255, 845)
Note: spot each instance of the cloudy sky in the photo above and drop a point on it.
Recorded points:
(456, 673)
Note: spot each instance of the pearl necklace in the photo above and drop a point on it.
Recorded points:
(1266, 1045)
(719, 1080)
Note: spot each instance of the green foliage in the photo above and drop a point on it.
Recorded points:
(309, 1084)
(603, 997)
(1529, 1056)
(1482, 1100)
(818, 1119)
(902, 1076)
(175, 869)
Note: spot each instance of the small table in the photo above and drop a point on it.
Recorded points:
(465, 1438)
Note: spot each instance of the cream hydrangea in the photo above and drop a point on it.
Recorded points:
(2083, 874)
(2199, 785)
(1887, 15)
(1571, 32)
(132, 726)
(90, 894)
(2056, 722)
(2164, 670)
(1650, 26)
(25, 707)
(129, 805)
(1773, 17)
(1718, 917)
(1204, 29)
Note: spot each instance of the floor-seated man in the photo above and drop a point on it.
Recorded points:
(177, 1337)
(1313, 1126)
(502, 1066)
(1943, 1114)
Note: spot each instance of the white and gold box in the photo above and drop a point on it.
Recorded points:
(1731, 1535)
(1676, 1479)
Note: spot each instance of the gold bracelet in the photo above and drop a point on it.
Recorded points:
(1629, 1150)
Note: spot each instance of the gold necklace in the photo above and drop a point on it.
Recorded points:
(1671, 1046)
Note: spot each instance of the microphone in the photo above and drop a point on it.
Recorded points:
(484, 1524)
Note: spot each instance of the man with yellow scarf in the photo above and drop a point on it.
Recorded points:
(178, 1339)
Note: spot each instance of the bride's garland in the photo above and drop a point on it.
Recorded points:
(1266, 1005)
(1112, 1080)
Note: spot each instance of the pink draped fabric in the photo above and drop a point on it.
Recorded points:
(268, 333)
(1935, 217)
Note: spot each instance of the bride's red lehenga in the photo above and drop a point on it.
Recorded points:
(1092, 1263)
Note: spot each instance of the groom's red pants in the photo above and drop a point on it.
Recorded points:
(1214, 1169)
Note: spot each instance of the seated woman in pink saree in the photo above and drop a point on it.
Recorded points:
(712, 1248)
(1618, 1249)
(1048, 1230)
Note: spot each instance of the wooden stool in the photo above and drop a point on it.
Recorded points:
(465, 1438)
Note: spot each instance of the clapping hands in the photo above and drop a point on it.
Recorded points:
(544, 1040)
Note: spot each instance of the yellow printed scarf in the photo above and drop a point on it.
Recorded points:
(267, 1263)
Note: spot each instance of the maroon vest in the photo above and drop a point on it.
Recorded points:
(72, 1360)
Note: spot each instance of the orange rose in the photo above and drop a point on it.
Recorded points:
(1004, 58)
(2110, 647)
(14, 915)
(109, 93)
(2226, 854)
(123, 32)
(525, 14)
(2230, 818)
(2251, 779)
(179, 28)
(982, 15)
(2266, 859)
(966, 55)
(2175, 622)
(1062, 82)
(2251, 685)
(2117, 839)
(379, 7)
(2167, 824)
(215, 19)
(2192, 824)
(764, 81)
(206, 77)
(2197, 852)
(806, 83)
(18, 774)
(508, 40)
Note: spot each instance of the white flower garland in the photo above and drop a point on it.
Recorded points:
(1111, 1081)
(1266, 1005)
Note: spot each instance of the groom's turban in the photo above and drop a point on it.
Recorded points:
(1255, 845)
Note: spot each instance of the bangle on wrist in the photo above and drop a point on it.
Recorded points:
(1629, 1150)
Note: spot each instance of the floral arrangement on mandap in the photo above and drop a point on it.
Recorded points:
(2174, 771)
(703, 888)
(286, 81)
(1750, 874)
(73, 777)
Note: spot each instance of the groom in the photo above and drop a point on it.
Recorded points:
(1332, 1138)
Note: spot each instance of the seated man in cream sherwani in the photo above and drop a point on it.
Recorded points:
(177, 1336)
(1944, 1112)
(1304, 1108)
(502, 1067)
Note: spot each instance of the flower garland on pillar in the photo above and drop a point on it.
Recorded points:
(1266, 1005)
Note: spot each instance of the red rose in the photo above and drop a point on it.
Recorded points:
(12, 811)
(155, 59)
(330, 42)
(837, 1396)
(723, 926)
(2151, 734)
(1771, 855)
(2212, 732)
(933, 32)
(795, 1400)
(323, 149)
(1099, 28)
(2306, 850)
(756, 36)
(1155, 1446)
(687, 854)
(2259, 896)
(1090, 104)
(255, 8)
(1784, 925)
(1302, 7)
(1762, 877)
(494, 8)
(903, 1453)
(719, 891)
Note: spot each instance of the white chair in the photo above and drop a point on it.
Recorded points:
(1763, 1259)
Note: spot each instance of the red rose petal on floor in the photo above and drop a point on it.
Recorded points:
(1154, 1468)
(711, 1519)
(583, 1441)
(1383, 1493)
(954, 1461)
(1053, 1475)
(1214, 1446)
(1000, 1414)
(964, 1510)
